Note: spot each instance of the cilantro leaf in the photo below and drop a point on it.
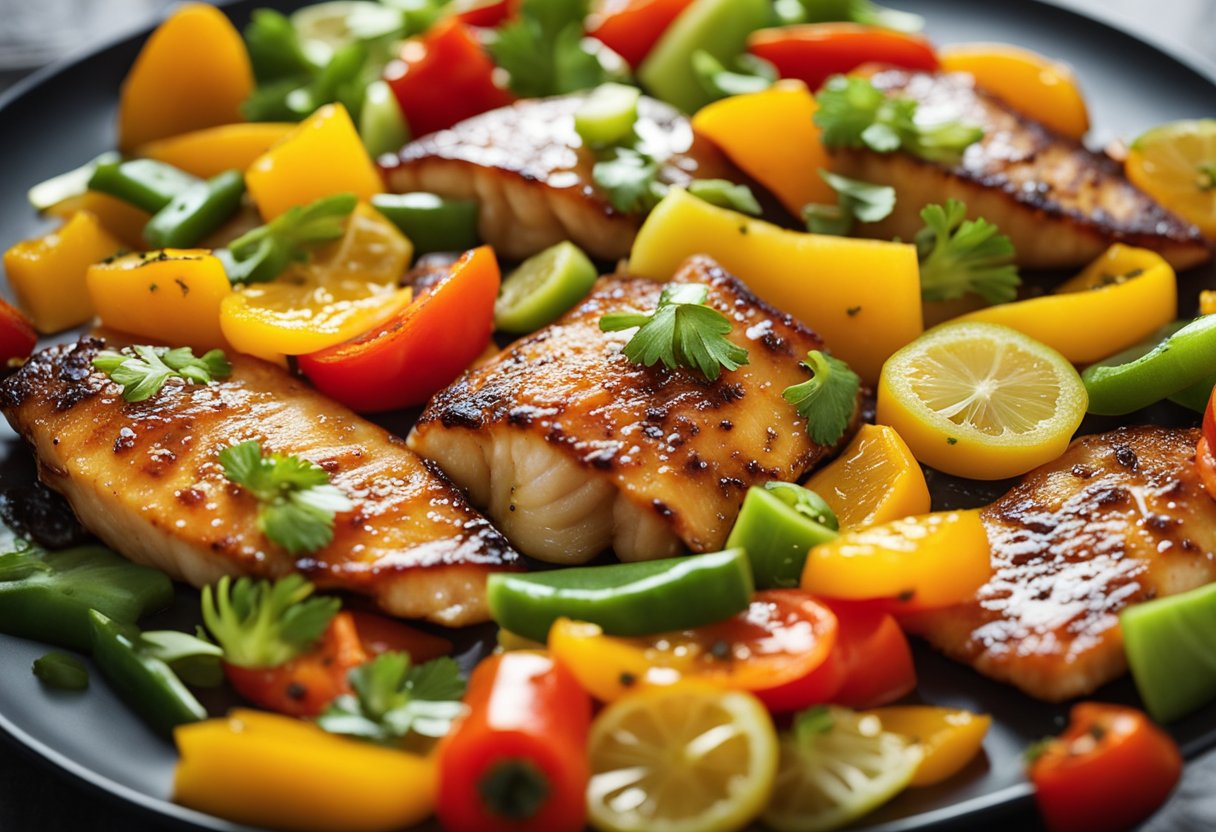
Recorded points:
(297, 503)
(726, 194)
(750, 74)
(852, 112)
(827, 400)
(958, 256)
(682, 331)
(142, 370)
(856, 200)
(543, 50)
(392, 698)
(263, 624)
(629, 179)
(262, 254)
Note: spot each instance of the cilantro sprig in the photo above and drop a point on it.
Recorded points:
(852, 112)
(855, 200)
(142, 370)
(544, 52)
(260, 624)
(392, 698)
(826, 400)
(958, 255)
(262, 254)
(297, 503)
(682, 331)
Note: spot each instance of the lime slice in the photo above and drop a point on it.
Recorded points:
(542, 288)
(844, 767)
(1176, 165)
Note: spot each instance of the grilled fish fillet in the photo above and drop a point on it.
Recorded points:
(573, 449)
(1119, 519)
(145, 478)
(526, 166)
(1061, 204)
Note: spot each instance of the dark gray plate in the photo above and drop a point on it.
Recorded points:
(64, 116)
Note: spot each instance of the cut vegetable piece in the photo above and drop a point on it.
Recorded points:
(73, 183)
(776, 536)
(608, 115)
(949, 739)
(814, 278)
(381, 123)
(196, 212)
(17, 336)
(874, 652)
(813, 52)
(835, 767)
(543, 288)
(1176, 165)
(431, 222)
(324, 28)
(874, 480)
(144, 183)
(687, 758)
(213, 150)
(719, 27)
(980, 400)
(123, 220)
(631, 28)
(626, 598)
(1170, 650)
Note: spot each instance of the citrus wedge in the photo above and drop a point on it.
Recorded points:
(684, 758)
(981, 400)
(1175, 164)
(875, 479)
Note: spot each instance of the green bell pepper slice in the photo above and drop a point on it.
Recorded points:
(1172, 653)
(142, 681)
(778, 525)
(196, 212)
(145, 183)
(62, 671)
(625, 599)
(431, 222)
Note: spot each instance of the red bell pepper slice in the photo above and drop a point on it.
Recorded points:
(420, 351)
(17, 336)
(631, 28)
(813, 52)
(486, 13)
(874, 651)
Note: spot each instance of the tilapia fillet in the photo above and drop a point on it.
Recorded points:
(145, 478)
(527, 168)
(1061, 204)
(572, 449)
(1119, 519)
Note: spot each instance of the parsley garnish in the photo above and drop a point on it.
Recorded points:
(142, 370)
(682, 331)
(854, 113)
(297, 501)
(958, 256)
(826, 400)
(629, 178)
(750, 74)
(262, 254)
(543, 50)
(726, 194)
(856, 200)
(263, 624)
(392, 699)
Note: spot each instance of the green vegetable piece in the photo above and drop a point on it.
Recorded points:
(324, 28)
(144, 682)
(856, 200)
(608, 115)
(726, 194)
(66, 185)
(196, 212)
(381, 123)
(62, 671)
(144, 183)
(260, 624)
(626, 599)
(1194, 397)
(46, 596)
(828, 399)
(1171, 652)
(751, 74)
(274, 48)
(717, 27)
(543, 288)
(860, 11)
(195, 660)
(629, 179)
(777, 526)
(142, 369)
(432, 223)
(1180, 361)
(544, 52)
(262, 254)
(960, 256)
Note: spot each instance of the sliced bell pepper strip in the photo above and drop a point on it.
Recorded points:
(431, 222)
(380, 634)
(518, 759)
(196, 212)
(875, 655)
(627, 599)
(777, 527)
(813, 52)
(948, 738)
(211, 151)
(1173, 661)
(631, 28)
(487, 14)
(17, 337)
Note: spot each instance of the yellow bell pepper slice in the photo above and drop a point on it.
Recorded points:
(48, 273)
(949, 738)
(123, 220)
(193, 72)
(874, 480)
(213, 150)
(917, 563)
(272, 771)
(861, 296)
(172, 297)
(1207, 302)
(1119, 300)
(770, 135)
(609, 668)
(322, 156)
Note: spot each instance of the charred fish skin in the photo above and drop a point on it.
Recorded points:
(1060, 203)
(1121, 518)
(573, 449)
(527, 168)
(145, 478)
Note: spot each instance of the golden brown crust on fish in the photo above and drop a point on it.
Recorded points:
(1119, 519)
(145, 478)
(527, 168)
(680, 451)
(1061, 204)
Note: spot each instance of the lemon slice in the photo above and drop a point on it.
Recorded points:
(685, 758)
(837, 772)
(981, 400)
(1175, 164)
(875, 479)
